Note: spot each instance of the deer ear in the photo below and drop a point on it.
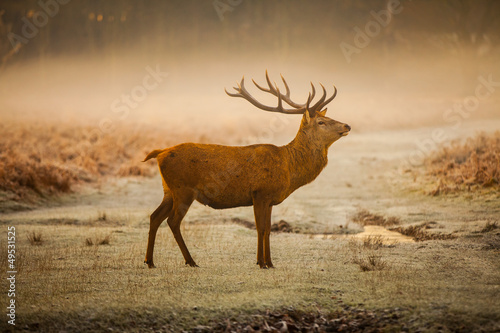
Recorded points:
(322, 113)
(306, 119)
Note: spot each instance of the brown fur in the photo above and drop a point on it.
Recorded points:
(261, 175)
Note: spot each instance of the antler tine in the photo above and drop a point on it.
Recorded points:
(321, 100)
(286, 86)
(260, 87)
(313, 91)
(285, 97)
(273, 89)
(269, 82)
(280, 105)
(238, 89)
(329, 99)
(309, 99)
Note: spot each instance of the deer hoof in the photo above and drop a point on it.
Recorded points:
(192, 264)
(149, 263)
(265, 266)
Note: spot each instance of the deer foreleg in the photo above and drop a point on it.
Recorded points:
(262, 212)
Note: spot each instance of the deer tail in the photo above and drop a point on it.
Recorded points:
(153, 154)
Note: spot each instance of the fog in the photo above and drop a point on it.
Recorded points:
(165, 64)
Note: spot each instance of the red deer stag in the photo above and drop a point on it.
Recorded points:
(261, 175)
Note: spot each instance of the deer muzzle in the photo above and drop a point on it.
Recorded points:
(347, 128)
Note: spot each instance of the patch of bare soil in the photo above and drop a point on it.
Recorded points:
(364, 217)
(419, 232)
(386, 237)
(281, 226)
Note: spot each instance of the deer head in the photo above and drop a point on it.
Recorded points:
(315, 125)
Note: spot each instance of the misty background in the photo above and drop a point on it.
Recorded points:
(396, 64)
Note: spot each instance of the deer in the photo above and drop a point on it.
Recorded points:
(259, 175)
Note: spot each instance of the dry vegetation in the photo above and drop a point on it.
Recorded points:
(364, 217)
(98, 240)
(51, 158)
(466, 166)
(365, 254)
(490, 226)
(419, 232)
(35, 238)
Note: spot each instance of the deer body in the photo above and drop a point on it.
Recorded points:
(261, 175)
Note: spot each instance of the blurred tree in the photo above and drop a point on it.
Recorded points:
(180, 27)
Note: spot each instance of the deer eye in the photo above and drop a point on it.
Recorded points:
(321, 122)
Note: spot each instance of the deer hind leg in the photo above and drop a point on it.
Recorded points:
(180, 208)
(158, 216)
(267, 233)
(262, 212)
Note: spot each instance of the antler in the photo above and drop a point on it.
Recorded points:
(274, 90)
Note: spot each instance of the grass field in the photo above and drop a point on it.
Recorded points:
(79, 258)
(66, 284)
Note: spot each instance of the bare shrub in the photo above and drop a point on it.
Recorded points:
(490, 226)
(492, 242)
(364, 217)
(35, 238)
(98, 240)
(370, 262)
(104, 241)
(373, 242)
(143, 170)
(102, 217)
(282, 226)
(468, 165)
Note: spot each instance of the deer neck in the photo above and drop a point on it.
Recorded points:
(307, 159)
